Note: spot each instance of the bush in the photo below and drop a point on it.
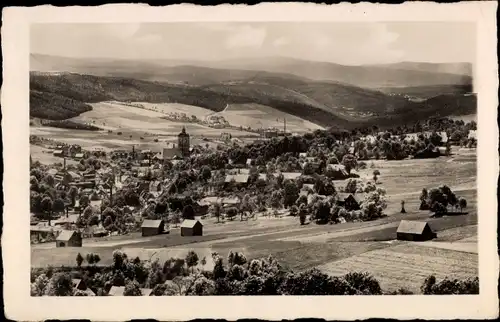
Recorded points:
(450, 286)
(363, 283)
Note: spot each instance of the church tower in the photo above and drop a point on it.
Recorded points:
(183, 142)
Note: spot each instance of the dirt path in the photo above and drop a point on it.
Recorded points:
(462, 246)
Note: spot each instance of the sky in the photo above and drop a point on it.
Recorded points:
(342, 43)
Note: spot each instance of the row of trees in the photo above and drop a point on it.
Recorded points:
(236, 275)
(440, 199)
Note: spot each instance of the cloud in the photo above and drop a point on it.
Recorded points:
(246, 36)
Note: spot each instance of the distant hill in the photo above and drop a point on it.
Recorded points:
(447, 68)
(405, 74)
(425, 92)
(369, 76)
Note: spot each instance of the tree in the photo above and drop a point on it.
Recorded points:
(232, 212)
(176, 218)
(291, 193)
(302, 214)
(79, 260)
(424, 205)
(58, 205)
(276, 199)
(462, 203)
(188, 212)
(93, 258)
(205, 173)
(132, 289)
(217, 210)
(46, 206)
(349, 161)
(60, 285)
(191, 259)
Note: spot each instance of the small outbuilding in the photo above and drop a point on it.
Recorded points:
(191, 227)
(350, 201)
(69, 238)
(152, 227)
(415, 231)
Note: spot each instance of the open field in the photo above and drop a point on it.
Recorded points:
(135, 122)
(259, 116)
(407, 265)
(465, 118)
(45, 156)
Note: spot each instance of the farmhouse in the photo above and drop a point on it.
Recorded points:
(191, 227)
(58, 153)
(415, 231)
(79, 156)
(119, 290)
(230, 202)
(152, 227)
(350, 201)
(78, 284)
(336, 171)
(69, 238)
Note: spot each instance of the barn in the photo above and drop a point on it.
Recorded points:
(152, 227)
(191, 227)
(69, 238)
(415, 231)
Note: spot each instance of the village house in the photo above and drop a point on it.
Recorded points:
(69, 238)
(289, 175)
(236, 179)
(58, 153)
(350, 201)
(411, 137)
(152, 227)
(415, 231)
(79, 156)
(171, 152)
(191, 227)
(228, 202)
(250, 162)
(472, 134)
(119, 290)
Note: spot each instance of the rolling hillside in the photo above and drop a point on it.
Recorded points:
(81, 89)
